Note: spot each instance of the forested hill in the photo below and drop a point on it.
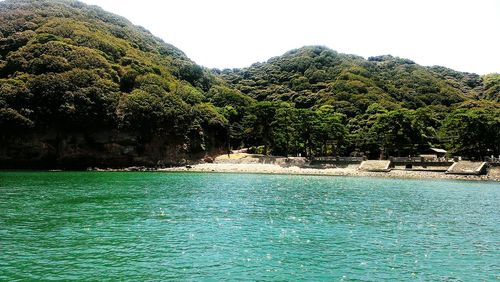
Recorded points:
(313, 76)
(82, 87)
(76, 81)
(384, 105)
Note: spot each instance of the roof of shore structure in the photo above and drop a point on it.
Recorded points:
(437, 150)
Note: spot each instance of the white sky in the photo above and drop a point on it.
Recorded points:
(462, 35)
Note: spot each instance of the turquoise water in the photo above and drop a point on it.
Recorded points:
(189, 226)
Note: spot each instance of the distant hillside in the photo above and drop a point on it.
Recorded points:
(491, 87)
(314, 76)
(390, 106)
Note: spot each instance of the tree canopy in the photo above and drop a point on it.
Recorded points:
(66, 66)
(391, 106)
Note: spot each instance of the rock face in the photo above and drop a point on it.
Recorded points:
(80, 150)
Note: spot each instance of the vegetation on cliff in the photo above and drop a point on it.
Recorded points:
(66, 68)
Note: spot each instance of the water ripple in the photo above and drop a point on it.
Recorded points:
(182, 226)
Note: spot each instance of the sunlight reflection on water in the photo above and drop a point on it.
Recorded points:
(188, 226)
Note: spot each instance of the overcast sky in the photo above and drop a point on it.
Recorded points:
(463, 35)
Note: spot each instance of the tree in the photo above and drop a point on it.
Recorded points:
(398, 132)
(329, 130)
(258, 124)
(472, 132)
(208, 127)
(12, 121)
(286, 131)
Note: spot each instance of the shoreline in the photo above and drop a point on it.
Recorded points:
(262, 168)
(348, 171)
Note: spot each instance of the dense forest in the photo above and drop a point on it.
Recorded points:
(385, 106)
(82, 87)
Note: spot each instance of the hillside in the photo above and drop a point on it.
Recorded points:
(315, 75)
(377, 107)
(82, 87)
(384, 105)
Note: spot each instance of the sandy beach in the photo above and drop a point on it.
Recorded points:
(350, 170)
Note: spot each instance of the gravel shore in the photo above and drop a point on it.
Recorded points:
(347, 171)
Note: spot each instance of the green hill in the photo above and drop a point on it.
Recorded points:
(83, 87)
(386, 103)
(314, 75)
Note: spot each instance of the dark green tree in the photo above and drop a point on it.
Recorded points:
(398, 133)
(472, 132)
(258, 124)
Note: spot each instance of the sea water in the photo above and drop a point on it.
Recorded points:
(194, 226)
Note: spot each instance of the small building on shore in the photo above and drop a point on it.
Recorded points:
(433, 154)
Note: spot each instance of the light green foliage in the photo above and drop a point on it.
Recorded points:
(222, 96)
(492, 87)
